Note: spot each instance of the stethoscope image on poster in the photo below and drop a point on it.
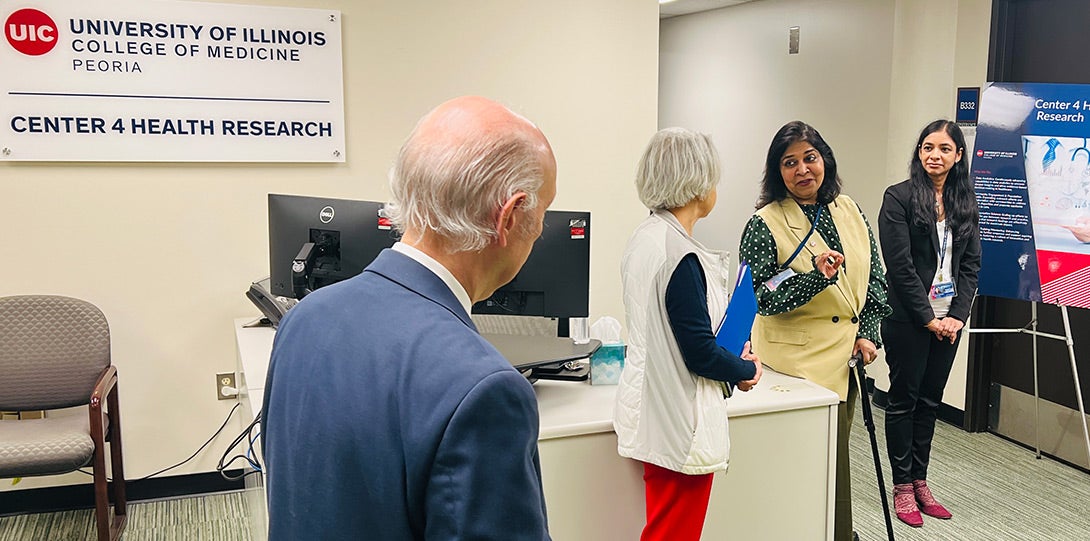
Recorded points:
(1058, 181)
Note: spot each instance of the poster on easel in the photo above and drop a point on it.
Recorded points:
(1031, 172)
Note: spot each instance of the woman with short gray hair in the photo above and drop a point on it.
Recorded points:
(677, 167)
(671, 409)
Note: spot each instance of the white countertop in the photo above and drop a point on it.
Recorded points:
(566, 408)
(576, 408)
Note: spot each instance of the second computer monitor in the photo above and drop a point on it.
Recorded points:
(555, 281)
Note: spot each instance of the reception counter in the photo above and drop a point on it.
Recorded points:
(780, 484)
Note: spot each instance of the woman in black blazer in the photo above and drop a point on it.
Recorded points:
(929, 232)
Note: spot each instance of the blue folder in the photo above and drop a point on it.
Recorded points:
(741, 311)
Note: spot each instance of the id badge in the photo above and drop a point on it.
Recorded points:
(942, 290)
(778, 279)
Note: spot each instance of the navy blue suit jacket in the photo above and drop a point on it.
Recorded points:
(387, 416)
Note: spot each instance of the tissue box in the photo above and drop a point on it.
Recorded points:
(606, 364)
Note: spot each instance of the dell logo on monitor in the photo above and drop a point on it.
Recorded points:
(326, 215)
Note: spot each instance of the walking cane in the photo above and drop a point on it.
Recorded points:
(855, 365)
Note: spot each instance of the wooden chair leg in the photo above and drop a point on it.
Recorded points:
(102, 502)
(105, 428)
(116, 466)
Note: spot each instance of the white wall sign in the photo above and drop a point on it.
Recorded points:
(174, 81)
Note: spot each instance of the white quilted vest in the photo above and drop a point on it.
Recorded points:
(665, 414)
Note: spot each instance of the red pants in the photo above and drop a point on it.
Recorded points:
(676, 504)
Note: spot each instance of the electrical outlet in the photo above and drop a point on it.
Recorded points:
(225, 386)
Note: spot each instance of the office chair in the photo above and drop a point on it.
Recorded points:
(55, 353)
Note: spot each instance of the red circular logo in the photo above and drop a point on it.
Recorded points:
(31, 32)
(980, 153)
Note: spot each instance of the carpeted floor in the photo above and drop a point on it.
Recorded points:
(214, 517)
(997, 490)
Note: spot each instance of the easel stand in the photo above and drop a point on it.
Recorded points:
(1031, 329)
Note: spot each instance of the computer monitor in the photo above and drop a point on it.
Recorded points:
(555, 281)
(315, 242)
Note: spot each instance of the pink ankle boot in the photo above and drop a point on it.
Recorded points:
(928, 504)
(904, 504)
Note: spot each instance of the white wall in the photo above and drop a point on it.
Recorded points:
(727, 72)
(167, 250)
(939, 46)
(869, 75)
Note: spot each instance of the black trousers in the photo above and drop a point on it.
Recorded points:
(919, 365)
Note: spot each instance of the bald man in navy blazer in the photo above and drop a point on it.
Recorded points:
(386, 415)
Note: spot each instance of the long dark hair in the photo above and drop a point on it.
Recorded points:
(957, 193)
(772, 186)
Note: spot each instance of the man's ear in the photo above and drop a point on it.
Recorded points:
(508, 217)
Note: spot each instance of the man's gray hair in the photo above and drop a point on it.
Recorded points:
(677, 167)
(456, 191)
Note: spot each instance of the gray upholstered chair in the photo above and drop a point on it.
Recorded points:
(55, 353)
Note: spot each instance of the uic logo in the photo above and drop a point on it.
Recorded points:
(31, 32)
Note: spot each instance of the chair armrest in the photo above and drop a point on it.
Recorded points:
(105, 384)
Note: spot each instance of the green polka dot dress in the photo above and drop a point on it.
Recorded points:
(758, 248)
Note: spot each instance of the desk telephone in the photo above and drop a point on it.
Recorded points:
(273, 307)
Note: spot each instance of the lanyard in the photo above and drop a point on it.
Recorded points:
(804, 239)
(942, 250)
